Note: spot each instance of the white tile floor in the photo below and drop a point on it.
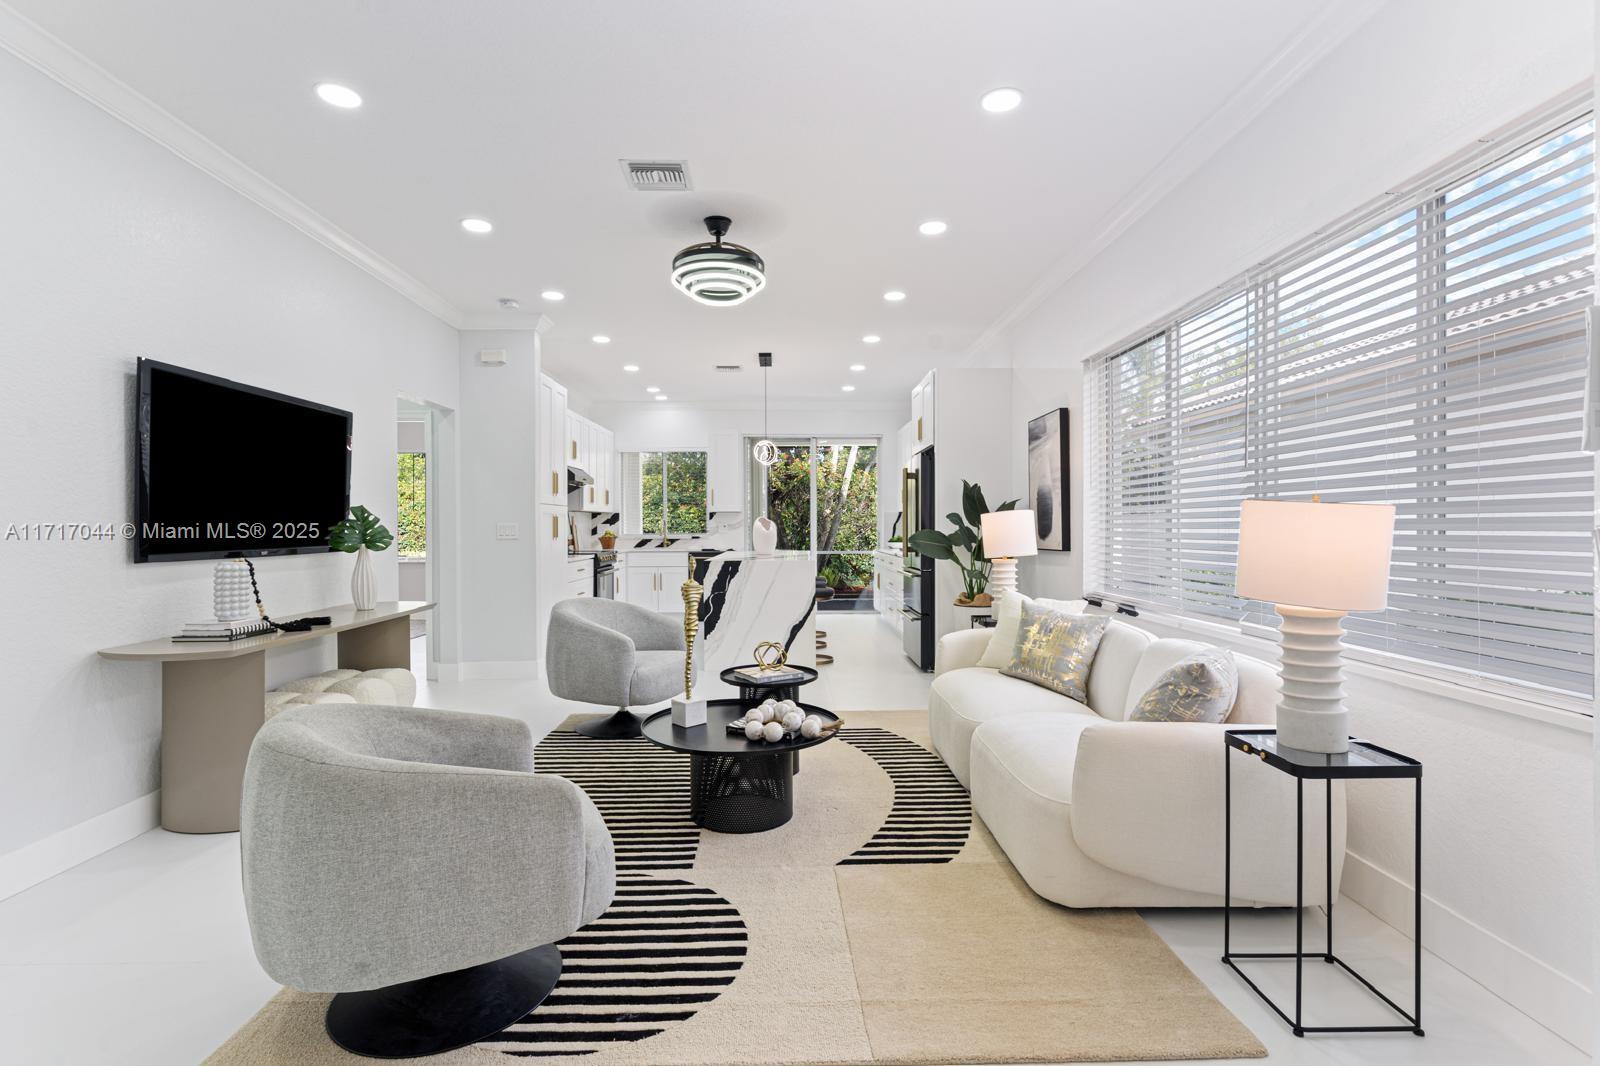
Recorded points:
(141, 957)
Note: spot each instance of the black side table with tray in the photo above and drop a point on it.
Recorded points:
(754, 692)
(736, 785)
(1364, 761)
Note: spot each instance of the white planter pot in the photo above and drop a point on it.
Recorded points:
(363, 586)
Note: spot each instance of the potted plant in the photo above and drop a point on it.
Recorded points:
(964, 546)
(362, 534)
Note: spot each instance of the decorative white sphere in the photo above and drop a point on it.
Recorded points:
(785, 706)
(792, 720)
(762, 714)
(811, 727)
(773, 732)
(754, 730)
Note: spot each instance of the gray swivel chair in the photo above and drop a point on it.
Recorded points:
(616, 654)
(411, 861)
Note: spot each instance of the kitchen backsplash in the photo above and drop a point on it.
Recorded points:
(724, 529)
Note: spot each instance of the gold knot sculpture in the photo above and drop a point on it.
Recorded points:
(770, 655)
(693, 591)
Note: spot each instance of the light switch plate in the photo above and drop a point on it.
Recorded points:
(505, 531)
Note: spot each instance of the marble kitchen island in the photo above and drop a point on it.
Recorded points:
(748, 600)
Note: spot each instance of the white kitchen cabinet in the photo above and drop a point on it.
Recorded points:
(592, 448)
(655, 580)
(550, 555)
(551, 462)
(922, 413)
(580, 575)
(889, 587)
(725, 473)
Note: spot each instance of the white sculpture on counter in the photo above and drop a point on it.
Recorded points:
(764, 537)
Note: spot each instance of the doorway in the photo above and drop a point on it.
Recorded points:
(822, 492)
(424, 439)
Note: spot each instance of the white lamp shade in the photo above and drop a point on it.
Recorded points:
(1329, 556)
(1009, 534)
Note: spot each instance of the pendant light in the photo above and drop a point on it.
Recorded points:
(718, 272)
(765, 452)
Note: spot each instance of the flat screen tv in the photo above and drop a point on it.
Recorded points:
(223, 469)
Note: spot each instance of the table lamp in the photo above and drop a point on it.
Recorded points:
(1316, 562)
(1007, 536)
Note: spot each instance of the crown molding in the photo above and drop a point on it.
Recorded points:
(525, 320)
(59, 61)
(1322, 34)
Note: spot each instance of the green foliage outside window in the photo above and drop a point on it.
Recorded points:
(672, 493)
(412, 494)
(847, 507)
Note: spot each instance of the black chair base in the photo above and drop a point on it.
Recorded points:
(620, 726)
(448, 1011)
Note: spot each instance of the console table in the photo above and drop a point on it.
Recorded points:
(213, 699)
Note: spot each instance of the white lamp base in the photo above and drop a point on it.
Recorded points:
(1311, 711)
(1002, 576)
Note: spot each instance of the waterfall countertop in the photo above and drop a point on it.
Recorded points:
(750, 599)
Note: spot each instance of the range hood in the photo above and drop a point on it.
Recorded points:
(577, 478)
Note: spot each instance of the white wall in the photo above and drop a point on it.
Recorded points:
(113, 248)
(1509, 840)
(499, 448)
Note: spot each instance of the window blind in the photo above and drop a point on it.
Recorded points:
(1432, 357)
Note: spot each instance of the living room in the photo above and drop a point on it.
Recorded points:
(799, 533)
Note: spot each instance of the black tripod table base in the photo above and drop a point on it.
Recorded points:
(436, 1014)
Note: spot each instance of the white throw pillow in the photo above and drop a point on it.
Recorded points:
(1007, 616)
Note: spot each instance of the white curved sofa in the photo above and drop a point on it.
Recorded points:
(1097, 811)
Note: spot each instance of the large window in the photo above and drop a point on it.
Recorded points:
(823, 495)
(1431, 356)
(665, 492)
(411, 493)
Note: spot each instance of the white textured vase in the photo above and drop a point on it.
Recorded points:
(363, 588)
(764, 536)
(231, 597)
(1311, 711)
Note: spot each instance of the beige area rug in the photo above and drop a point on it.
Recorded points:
(837, 938)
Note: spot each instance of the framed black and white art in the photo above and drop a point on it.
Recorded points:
(1047, 480)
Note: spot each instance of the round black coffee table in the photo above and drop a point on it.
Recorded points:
(753, 692)
(736, 785)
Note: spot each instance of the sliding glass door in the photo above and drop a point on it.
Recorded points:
(823, 495)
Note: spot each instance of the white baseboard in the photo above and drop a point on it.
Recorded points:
(43, 859)
(1551, 998)
(510, 670)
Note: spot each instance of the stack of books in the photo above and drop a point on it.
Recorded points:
(759, 675)
(214, 630)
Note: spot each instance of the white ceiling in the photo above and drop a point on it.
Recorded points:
(827, 129)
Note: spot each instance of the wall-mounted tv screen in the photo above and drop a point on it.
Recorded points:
(225, 469)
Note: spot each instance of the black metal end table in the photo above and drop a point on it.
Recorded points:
(753, 692)
(1362, 762)
(736, 785)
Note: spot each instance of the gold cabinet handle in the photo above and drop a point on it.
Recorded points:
(591, 493)
(575, 445)
(713, 497)
(919, 427)
(555, 483)
(555, 527)
(608, 497)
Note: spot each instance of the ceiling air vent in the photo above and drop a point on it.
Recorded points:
(728, 368)
(656, 175)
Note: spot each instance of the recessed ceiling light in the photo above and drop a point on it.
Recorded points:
(858, 367)
(553, 295)
(476, 225)
(339, 95)
(659, 397)
(630, 368)
(894, 296)
(601, 338)
(999, 101)
(932, 228)
(847, 388)
(871, 338)
(652, 388)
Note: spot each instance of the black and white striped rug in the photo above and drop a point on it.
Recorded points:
(664, 949)
(641, 789)
(932, 814)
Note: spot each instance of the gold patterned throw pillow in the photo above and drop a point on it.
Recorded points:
(1056, 649)
(1201, 688)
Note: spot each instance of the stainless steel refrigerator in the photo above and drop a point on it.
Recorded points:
(916, 503)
